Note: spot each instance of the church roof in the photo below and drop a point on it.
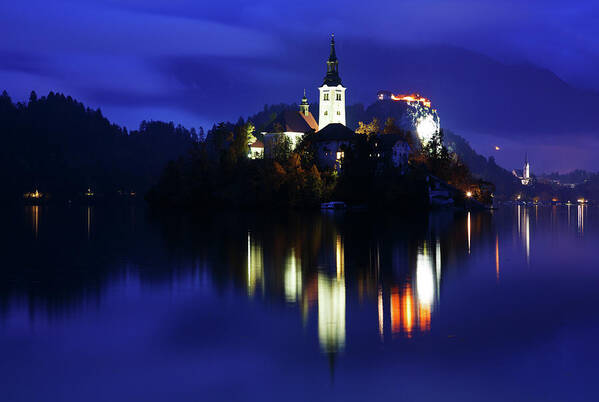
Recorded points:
(293, 121)
(335, 132)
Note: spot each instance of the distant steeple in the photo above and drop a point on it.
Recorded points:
(304, 106)
(332, 78)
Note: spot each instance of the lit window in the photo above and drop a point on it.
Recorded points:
(340, 155)
(338, 97)
(326, 97)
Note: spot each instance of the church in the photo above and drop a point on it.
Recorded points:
(524, 174)
(333, 136)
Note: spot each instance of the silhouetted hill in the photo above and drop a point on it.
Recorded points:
(476, 93)
(59, 146)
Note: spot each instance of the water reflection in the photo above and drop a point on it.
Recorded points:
(255, 270)
(497, 256)
(313, 264)
(293, 278)
(331, 313)
(524, 229)
(34, 216)
(581, 210)
(89, 221)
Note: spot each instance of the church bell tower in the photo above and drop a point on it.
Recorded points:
(332, 93)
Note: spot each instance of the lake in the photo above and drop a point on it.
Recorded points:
(103, 303)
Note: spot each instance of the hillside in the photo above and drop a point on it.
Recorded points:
(57, 145)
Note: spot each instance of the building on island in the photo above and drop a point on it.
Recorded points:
(256, 150)
(524, 174)
(332, 138)
(331, 144)
(290, 125)
(391, 149)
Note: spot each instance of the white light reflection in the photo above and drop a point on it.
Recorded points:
(524, 230)
(331, 313)
(581, 219)
(425, 287)
(255, 274)
(292, 278)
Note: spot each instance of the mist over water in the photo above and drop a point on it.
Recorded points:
(119, 304)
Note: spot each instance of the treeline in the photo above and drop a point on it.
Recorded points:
(218, 173)
(58, 146)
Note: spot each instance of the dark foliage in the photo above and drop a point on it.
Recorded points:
(59, 146)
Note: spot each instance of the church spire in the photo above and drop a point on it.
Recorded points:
(333, 56)
(304, 106)
(332, 78)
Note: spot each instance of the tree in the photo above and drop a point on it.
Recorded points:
(368, 129)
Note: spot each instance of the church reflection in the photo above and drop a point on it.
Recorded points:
(401, 280)
(523, 216)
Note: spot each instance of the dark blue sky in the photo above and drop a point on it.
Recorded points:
(199, 62)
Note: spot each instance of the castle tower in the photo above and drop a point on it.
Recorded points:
(304, 106)
(332, 93)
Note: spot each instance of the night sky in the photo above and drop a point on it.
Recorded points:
(522, 75)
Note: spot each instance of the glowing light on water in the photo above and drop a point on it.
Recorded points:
(331, 313)
(381, 315)
(425, 279)
(425, 287)
(255, 273)
(581, 219)
(497, 256)
(468, 227)
(339, 257)
(292, 278)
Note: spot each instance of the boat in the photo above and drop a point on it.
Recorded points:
(333, 205)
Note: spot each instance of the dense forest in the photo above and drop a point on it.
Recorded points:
(57, 145)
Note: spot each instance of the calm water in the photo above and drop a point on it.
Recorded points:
(105, 305)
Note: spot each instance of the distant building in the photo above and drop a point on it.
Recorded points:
(524, 174)
(332, 93)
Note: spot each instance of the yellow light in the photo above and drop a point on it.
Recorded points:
(469, 194)
(497, 148)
